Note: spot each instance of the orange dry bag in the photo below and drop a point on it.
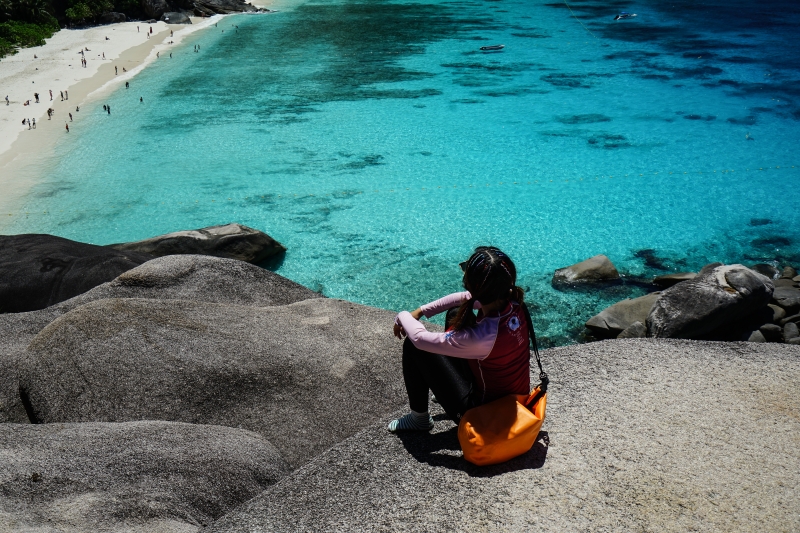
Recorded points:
(507, 427)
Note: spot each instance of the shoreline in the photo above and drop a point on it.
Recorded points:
(57, 67)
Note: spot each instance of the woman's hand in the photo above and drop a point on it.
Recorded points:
(399, 332)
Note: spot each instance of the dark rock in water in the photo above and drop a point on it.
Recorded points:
(760, 221)
(155, 8)
(613, 320)
(708, 268)
(175, 17)
(756, 336)
(790, 331)
(232, 241)
(37, 271)
(668, 280)
(778, 313)
(651, 260)
(694, 308)
(135, 476)
(174, 277)
(637, 330)
(771, 242)
(111, 17)
(788, 298)
(772, 332)
(291, 373)
(788, 272)
(767, 270)
(642, 393)
(595, 269)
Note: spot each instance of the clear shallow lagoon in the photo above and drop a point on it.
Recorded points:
(380, 146)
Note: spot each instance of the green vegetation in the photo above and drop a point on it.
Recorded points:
(29, 22)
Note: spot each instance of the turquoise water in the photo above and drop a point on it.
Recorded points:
(381, 146)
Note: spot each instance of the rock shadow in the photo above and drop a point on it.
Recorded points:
(440, 450)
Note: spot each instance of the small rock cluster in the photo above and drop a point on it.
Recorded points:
(721, 302)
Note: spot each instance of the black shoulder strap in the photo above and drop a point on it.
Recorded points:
(542, 374)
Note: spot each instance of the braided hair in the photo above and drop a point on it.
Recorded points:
(489, 275)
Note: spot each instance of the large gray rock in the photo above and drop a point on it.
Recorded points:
(224, 7)
(637, 330)
(175, 17)
(155, 8)
(640, 435)
(595, 269)
(132, 477)
(305, 375)
(788, 298)
(668, 280)
(111, 17)
(37, 271)
(612, 320)
(788, 272)
(772, 332)
(232, 241)
(778, 313)
(175, 277)
(792, 318)
(767, 270)
(717, 297)
(790, 331)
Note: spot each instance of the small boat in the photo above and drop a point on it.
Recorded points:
(493, 47)
(625, 15)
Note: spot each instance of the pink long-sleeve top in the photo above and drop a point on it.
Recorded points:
(496, 347)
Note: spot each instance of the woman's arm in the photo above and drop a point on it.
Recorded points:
(472, 343)
(445, 303)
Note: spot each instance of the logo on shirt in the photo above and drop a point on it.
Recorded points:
(513, 323)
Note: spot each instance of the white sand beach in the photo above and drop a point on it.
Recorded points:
(56, 67)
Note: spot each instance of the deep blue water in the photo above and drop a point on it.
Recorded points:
(381, 146)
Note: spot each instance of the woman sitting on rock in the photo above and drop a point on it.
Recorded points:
(476, 360)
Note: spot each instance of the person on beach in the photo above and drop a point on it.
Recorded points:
(51, 95)
(104, 55)
(66, 126)
(7, 102)
(66, 94)
(27, 102)
(70, 117)
(33, 122)
(477, 359)
(137, 29)
(170, 55)
(115, 70)
(62, 96)
(123, 69)
(104, 107)
(151, 30)
(141, 100)
(29, 123)
(36, 96)
(108, 108)
(158, 54)
(77, 108)
(170, 33)
(127, 85)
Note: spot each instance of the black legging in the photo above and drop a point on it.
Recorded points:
(449, 378)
